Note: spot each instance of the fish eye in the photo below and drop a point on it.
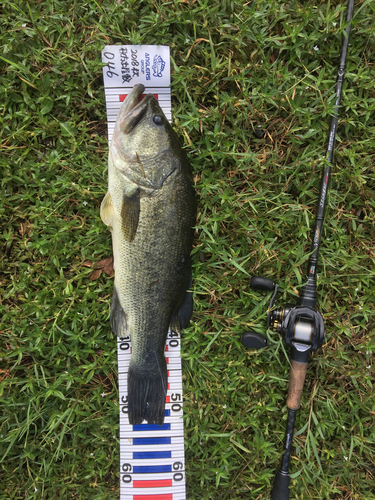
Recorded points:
(158, 119)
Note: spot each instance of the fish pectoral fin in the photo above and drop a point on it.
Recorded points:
(131, 207)
(106, 210)
(119, 324)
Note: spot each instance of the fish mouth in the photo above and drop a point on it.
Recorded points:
(133, 109)
(132, 99)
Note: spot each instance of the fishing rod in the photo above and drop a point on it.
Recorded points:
(301, 325)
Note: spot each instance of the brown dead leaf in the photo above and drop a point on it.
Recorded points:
(108, 266)
(95, 274)
(101, 263)
(87, 263)
(105, 265)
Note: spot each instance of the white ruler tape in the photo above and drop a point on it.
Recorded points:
(152, 459)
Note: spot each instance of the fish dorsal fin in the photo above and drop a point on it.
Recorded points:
(106, 210)
(131, 206)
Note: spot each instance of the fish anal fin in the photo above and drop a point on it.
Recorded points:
(131, 206)
(106, 210)
(118, 317)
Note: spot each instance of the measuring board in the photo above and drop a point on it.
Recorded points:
(152, 459)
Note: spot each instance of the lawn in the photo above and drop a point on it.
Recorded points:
(252, 95)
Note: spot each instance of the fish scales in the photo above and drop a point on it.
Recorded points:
(150, 207)
(148, 269)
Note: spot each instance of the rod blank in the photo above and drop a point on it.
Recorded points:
(280, 489)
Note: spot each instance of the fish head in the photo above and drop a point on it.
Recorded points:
(144, 142)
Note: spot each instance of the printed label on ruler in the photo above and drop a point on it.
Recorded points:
(127, 65)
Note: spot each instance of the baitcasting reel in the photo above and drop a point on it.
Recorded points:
(301, 326)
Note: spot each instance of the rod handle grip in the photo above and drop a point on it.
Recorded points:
(297, 376)
(280, 490)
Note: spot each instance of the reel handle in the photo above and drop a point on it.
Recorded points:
(259, 283)
(254, 340)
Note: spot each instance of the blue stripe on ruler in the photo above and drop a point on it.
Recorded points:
(152, 440)
(152, 427)
(151, 468)
(152, 454)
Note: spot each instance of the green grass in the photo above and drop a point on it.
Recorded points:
(236, 66)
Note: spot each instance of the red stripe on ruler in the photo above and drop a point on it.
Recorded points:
(122, 97)
(168, 399)
(168, 496)
(155, 483)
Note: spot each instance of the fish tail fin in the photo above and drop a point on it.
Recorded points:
(146, 394)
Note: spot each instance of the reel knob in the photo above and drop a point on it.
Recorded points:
(259, 283)
(254, 340)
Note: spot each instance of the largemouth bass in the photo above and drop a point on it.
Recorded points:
(150, 208)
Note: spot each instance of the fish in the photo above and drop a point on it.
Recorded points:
(150, 208)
